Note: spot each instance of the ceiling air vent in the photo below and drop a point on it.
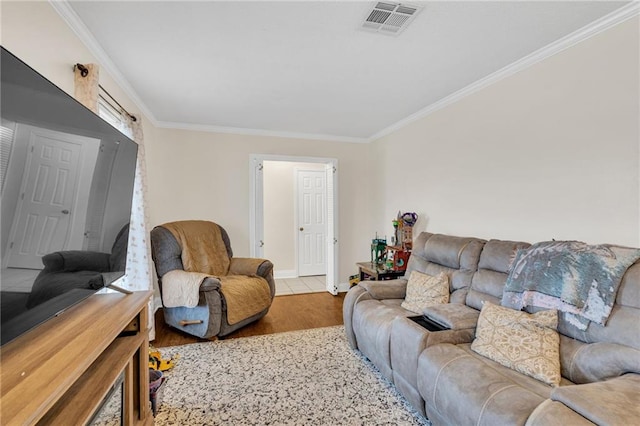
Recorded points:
(389, 17)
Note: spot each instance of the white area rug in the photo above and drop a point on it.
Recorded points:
(308, 377)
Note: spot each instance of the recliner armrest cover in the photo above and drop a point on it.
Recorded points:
(250, 266)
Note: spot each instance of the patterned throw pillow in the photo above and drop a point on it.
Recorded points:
(424, 290)
(527, 343)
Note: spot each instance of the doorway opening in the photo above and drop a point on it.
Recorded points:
(293, 220)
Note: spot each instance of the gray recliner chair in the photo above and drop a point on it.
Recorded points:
(230, 281)
(66, 270)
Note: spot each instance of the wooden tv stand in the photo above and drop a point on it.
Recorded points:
(61, 371)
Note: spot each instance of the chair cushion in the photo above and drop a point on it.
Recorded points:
(527, 343)
(245, 296)
(424, 290)
(203, 247)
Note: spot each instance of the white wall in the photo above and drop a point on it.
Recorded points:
(192, 174)
(279, 212)
(198, 175)
(35, 33)
(551, 152)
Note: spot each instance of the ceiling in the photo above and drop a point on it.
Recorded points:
(308, 69)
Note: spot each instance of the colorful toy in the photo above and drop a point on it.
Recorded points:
(157, 363)
(378, 250)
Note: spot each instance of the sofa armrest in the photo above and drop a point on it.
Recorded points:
(207, 284)
(390, 289)
(454, 316)
(250, 266)
(254, 266)
(210, 284)
(553, 413)
(613, 401)
(76, 260)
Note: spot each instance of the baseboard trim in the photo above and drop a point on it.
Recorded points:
(343, 287)
(285, 273)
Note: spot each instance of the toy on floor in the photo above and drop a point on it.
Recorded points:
(157, 363)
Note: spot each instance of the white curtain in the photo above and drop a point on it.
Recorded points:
(138, 274)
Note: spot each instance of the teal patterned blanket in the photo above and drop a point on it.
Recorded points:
(570, 276)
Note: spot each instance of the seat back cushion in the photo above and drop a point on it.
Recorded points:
(200, 246)
(165, 251)
(488, 282)
(622, 325)
(601, 352)
(457, 257)
(424, 290)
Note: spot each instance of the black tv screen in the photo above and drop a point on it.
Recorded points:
(66, 181)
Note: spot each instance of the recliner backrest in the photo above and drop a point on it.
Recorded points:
(456, 256)
(118, 257)
(623, 325)
(489, 280)
(586, 356)
(167, 252)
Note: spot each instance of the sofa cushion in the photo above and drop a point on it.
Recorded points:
(622, 325)
(424, 290)
(497, 255)
(527, 343)
(453, 252)
(463, 388)
(488, 282)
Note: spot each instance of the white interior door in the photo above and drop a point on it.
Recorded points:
(52, 206)
(312, 222)
(256, 209)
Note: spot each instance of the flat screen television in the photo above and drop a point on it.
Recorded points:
(66, 181)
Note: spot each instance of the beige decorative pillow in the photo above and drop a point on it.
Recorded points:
(527, 343)
(424, 290)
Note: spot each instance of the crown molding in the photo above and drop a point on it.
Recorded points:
(63, 8)
(259, 132)
(74, 22)
(596, 27)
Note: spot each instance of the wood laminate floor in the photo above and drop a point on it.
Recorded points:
(287, 313)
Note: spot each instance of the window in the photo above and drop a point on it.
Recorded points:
(6, 147)
(113, 116)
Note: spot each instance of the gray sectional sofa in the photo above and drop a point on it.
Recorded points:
(450, 384)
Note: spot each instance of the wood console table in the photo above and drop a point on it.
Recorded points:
(370, 271)
(60, 372)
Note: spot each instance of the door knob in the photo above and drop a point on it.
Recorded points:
(302, 229)
(65, 211)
